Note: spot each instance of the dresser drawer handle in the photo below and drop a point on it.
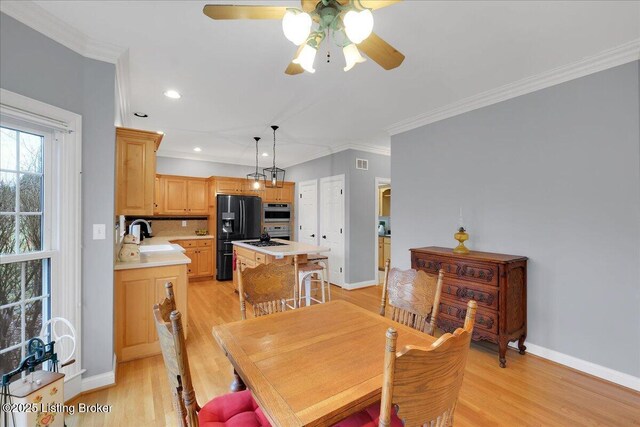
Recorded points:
(475, 295)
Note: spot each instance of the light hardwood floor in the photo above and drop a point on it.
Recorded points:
(530, 392)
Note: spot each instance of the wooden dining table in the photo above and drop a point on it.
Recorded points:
(315, 365)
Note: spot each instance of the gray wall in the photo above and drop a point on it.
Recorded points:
(36, 66)
(205, 169)
(553, 175)
(361, 225)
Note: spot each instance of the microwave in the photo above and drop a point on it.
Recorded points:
(276, 212)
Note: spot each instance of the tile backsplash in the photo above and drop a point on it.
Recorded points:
(174, 227)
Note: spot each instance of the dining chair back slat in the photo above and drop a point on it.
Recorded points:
(266, 287)
(414, 297)
(172, 343)
(424, 383)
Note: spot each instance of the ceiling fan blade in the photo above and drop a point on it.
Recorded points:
(309, 5)
(294, 69)
(368, 4)
(215, 11)
(381, 52)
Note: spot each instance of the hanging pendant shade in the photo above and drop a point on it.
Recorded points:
(255, 177)
(273, 176)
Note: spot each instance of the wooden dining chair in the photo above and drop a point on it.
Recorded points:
(414, 297)
(232, 409)
(267, 288)
(420, 385)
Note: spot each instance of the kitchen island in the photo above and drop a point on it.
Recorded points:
(141, 284)
(250, 256)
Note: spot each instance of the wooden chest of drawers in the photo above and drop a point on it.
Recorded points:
(497, 282)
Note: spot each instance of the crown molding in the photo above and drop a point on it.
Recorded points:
(610, 58)
(38, 18)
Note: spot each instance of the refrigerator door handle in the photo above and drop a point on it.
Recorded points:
(242, 217)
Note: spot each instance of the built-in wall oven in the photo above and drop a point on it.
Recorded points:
(279, 231)
(276, 212)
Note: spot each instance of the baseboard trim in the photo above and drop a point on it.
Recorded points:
(590, 368)
(358, 285)
(72, 386)
(105, 379)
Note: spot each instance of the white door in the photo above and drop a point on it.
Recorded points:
(308, 212)
(332, 230)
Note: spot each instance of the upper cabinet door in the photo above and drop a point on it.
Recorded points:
(197, 197)
(175, 196)
(135, 171)
(230, 186)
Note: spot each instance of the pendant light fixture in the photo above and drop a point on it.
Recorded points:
(273, 176)
(255, 178)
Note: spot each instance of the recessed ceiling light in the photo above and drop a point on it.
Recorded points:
(197, 149)
(173, 94)
(265, 154)
(141, 115)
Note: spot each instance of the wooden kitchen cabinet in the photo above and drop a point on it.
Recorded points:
(136, 291)
(384, 251)
(200, 252)
(135, 171)
(384, 201)
(280, 195)
(175, 196)
(180, 195)
(158, 195)
(228, 186)
(197, 197)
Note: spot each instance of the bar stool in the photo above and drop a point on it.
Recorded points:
(322, 260)
(305, 273)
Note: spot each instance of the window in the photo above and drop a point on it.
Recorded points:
(25, 243)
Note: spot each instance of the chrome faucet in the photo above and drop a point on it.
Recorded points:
(137, 221)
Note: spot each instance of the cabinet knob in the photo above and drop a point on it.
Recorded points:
(324, 236)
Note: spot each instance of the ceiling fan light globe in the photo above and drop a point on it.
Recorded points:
(306, 57)
(358, 25)
(352, 56)
(296, 26)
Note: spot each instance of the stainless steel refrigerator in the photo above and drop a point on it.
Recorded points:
(238, 219)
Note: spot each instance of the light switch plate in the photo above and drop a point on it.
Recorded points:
(184, 223)
(99, 232)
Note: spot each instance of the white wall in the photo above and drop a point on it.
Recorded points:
(553, 175)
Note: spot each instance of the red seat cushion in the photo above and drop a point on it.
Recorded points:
(233, 410)
(369, 417)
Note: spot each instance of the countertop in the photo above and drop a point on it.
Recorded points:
(290, 248)
(159, 259)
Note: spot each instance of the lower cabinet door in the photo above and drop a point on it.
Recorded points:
(192, 269)
(205, 262)
(136, 292)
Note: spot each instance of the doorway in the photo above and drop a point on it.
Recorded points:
(332, 228)
(382, 231)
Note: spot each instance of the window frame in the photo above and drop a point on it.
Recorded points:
(48, 211)
(64, 225)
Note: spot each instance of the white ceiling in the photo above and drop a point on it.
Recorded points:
(231, 73)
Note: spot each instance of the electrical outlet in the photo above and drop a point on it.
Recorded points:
(184, 223)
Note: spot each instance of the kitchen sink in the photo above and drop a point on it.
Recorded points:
(156, 248)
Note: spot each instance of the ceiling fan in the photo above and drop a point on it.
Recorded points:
(348, 22)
